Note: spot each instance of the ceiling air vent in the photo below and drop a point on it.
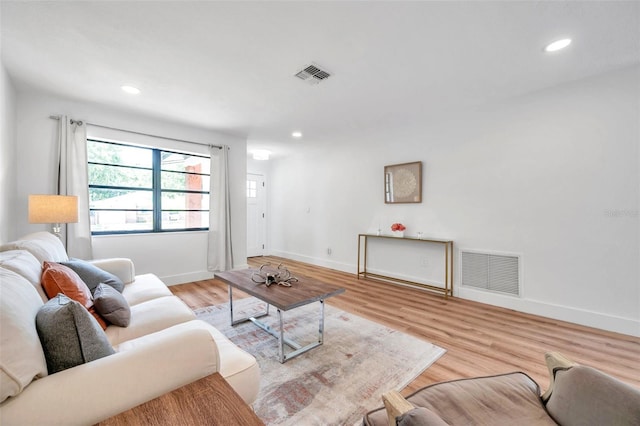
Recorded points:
(313, 74)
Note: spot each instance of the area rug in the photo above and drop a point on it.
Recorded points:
(333, 384)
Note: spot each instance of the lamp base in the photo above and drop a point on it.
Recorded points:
(56, 230)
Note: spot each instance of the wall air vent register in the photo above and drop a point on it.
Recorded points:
(491, 272)
(313, 74)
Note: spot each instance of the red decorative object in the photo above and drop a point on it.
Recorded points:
(398, 227)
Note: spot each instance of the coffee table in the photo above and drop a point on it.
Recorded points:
(305, 291)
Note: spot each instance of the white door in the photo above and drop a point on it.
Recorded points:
(256, 229)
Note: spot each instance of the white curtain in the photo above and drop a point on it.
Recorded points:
(220, 251)
(73, 180)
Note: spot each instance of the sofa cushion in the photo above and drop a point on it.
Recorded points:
(145, 287)
(23, 263)
(57, 278)
(42, 245)
(111, 305)
(512, 398)
(70, 336)
(585, 396)
(92, 275)
(21, 355)
(149, 317)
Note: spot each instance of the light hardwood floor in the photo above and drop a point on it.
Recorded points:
(480, 339)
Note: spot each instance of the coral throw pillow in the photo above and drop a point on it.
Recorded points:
(58, 278)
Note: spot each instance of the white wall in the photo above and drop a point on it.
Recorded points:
(552, 176)
(175, 257)
(7, 156)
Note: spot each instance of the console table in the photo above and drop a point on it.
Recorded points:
(447, 290)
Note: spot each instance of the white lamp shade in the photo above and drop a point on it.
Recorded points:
(53, 209)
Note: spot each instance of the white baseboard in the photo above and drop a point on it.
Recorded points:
(193, 276)
(564, 313)
(338, 266)
(186, 278)
(598, 320)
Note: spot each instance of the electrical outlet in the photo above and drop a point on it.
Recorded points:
(329, 251)
(424, 262)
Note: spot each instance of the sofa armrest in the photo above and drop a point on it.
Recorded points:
(119, 266)
(91, 392)
(396, 405)
(554, 361)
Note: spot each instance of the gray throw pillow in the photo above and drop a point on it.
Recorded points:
(69, 334)
(111, 305)
(92, 275)
(585, 396)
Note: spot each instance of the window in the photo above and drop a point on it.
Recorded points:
(252, 189)
(140, 189)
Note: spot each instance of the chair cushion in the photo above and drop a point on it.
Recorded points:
(92, 275)
(57, 278)
(512, 398)
(111, 305)
(42, 245)
(70, 336)
(21, 355)
(585, 396)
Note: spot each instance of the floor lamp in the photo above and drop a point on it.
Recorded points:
(53, 209)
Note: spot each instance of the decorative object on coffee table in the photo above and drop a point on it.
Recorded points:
(403, 183)
(267, 275)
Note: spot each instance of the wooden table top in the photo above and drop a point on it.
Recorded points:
(306, 290)
(208, 401)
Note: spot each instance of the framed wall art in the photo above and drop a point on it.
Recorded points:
(403, 183)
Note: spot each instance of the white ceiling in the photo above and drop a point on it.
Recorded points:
(229, 65)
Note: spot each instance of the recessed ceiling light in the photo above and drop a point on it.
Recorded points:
(558, 45)
(296, 135)
(131, 90)
(261, 154)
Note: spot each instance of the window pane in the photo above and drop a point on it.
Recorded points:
(184, 163)
(120, 199)
(119, 220)
(103, 152)
(182, 220)
(120, 176)
(184, 201)
(185, 181)
(131, 175)
(252, 189)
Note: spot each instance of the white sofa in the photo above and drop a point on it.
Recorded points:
(163, 348)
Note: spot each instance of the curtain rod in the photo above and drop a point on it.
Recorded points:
(80, 123)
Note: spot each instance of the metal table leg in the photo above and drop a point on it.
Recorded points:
(298, 349)
(241, 320)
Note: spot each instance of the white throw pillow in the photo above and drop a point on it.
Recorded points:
(21, 355)
(44, 246)
(24, 264)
